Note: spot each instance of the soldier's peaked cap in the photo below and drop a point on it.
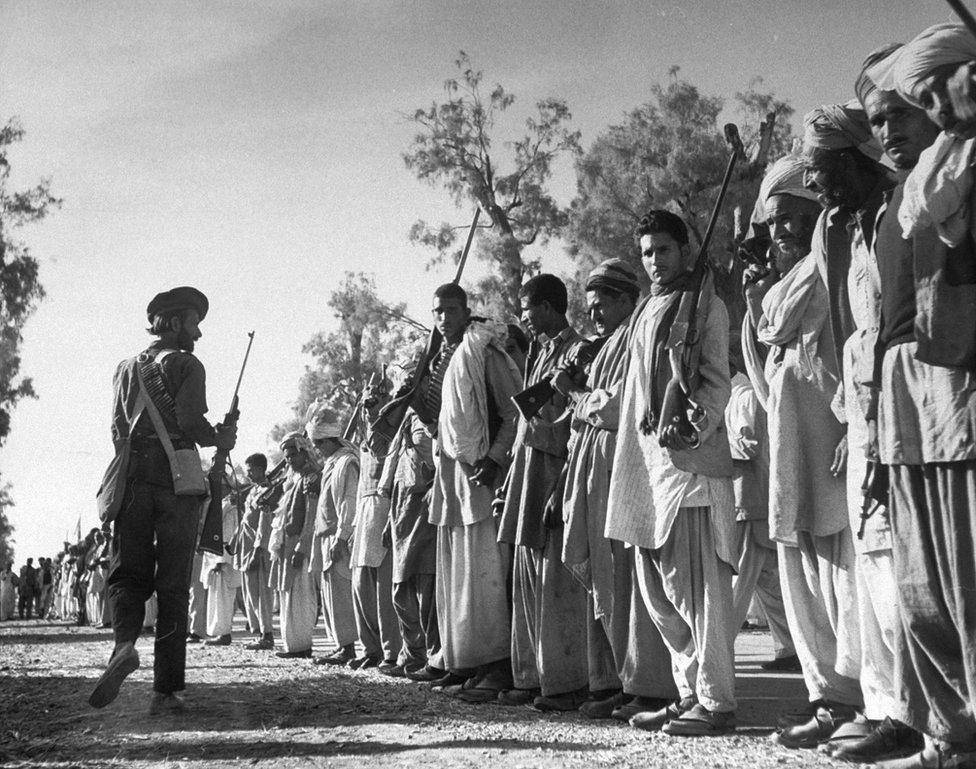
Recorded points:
(179, 298)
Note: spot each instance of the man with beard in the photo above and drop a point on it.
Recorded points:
(155, 532)
(924, 363)
(617, 619)
(549, 607)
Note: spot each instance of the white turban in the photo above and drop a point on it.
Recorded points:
(784, 177)
(839, 127)
(296, 440)
(938, 46)
(324, 423)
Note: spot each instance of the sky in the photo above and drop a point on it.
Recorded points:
(253, 150)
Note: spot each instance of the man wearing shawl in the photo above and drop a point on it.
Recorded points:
(924, 362)
(372, 563)
(333, 529)
(467, 402)
(222, 579)
(549, 666)
(291, 548)
(804, 319)
(251, 556)
(671, 492)
(617, 618)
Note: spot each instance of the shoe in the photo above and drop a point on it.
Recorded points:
(221, 640)
(166, 704)
(124, 660)
(341, 656)
(700, 722)
(794, 717)
(302, 655)
(637, 705)
(426, 674)
(266, 642)
(655, 720)
(848, 732)
(600, 705)
(888, 739)
(818, 729)
(560, 703)
(452, 678)
(193, 638)
(789, 664)
(932, 757)
(517, 696)
(363, 663)
(391, 668)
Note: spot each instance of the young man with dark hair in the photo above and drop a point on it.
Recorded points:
(671, 485)
(155, 533)
(549, 661)
(251, 556)
(466, 405)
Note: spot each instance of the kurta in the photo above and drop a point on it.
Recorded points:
(472, 567)
(222, 582)
(253, 561)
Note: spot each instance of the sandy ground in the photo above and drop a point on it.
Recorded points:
(252, 709)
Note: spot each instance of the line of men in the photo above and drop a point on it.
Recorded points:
(603, 576)
(582, 552)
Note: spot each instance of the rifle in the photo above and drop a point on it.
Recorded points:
(677, 408)
(351, 427)
(212, 530)
(530, 401)
(963, 13)
(383, 429)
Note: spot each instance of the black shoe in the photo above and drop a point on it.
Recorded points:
(789, 664)
(193, 638)
(452, 678)
(341, 656)
(889, 739)
(222, 640)
(125, 660)
(426, 674)
(816, 730)
(363, 663)
(266, 642)
(303, 655)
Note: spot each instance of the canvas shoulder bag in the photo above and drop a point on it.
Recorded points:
(189, 480)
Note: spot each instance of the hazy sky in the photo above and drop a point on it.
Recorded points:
(252, 149)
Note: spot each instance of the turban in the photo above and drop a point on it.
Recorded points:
(840, 127)
(938, 46)
(784, 177)
(614, 275)
(873, 65)
(297, 441)
(180, 298)
(323, 424)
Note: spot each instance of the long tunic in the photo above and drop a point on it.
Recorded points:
(647, 485)
(586, 551)
(412, 475)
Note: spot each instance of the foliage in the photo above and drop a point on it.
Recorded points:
(453, 149)
(6, 528)
(20, 289)
(670, 153)
(371, 333)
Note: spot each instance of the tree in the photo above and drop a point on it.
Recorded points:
(6, 528)
(670, 153)
(371, 333)
(453, 149)
(20, 288)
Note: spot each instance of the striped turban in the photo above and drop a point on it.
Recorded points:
(297, 441)
(840, 127)
(324, 423)
(614, 275)
(871, 69)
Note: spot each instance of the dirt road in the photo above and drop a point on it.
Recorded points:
(252, 709)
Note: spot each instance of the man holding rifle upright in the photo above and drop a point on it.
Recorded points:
(671, 484)
(156, 530)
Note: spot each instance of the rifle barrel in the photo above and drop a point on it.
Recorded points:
(240, 377)
(963, 13)
(467, 246)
